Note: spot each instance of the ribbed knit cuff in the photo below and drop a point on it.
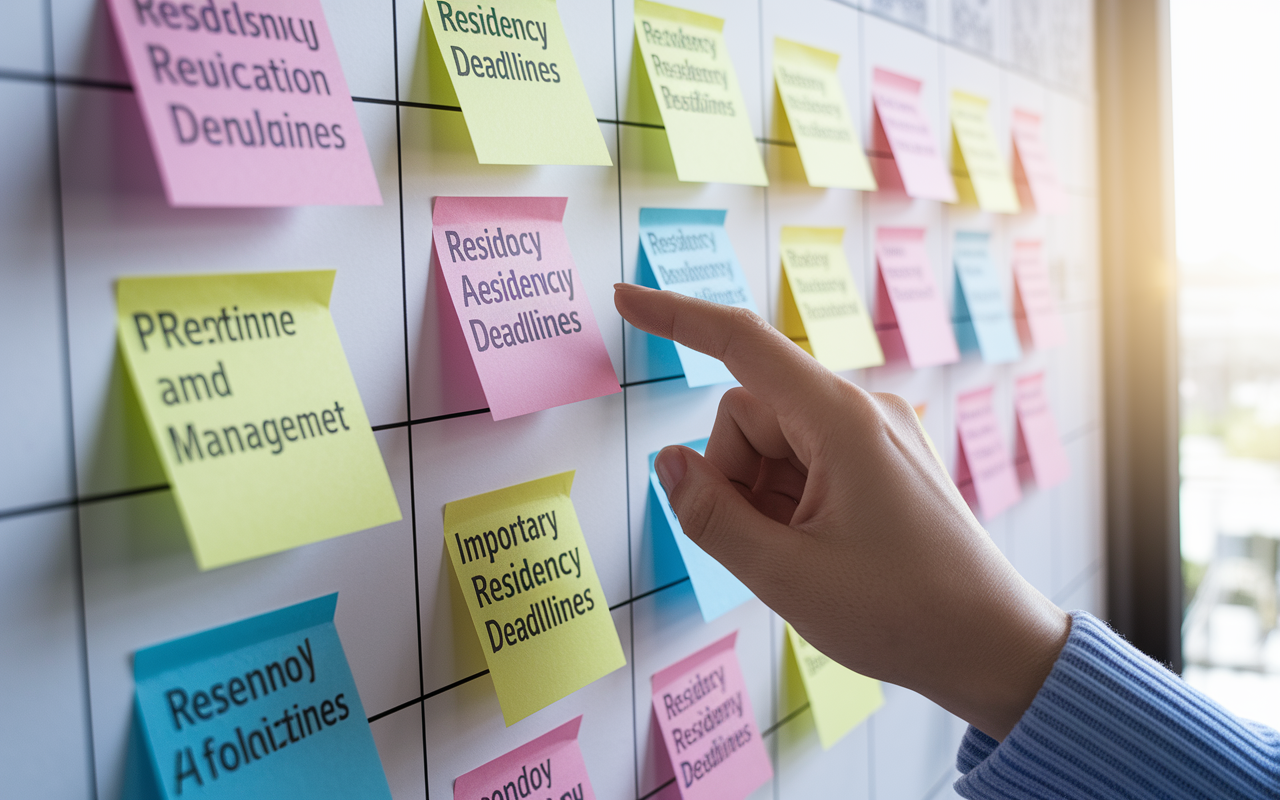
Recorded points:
(1111, 723)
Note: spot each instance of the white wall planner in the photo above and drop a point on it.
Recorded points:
(93, 560)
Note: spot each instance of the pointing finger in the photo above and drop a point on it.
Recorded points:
(764, 361)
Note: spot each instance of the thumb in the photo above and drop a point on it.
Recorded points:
(716, 517)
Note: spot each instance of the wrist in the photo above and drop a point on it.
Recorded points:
(1013, 669)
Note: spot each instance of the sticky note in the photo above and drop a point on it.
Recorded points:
(1035, 308)
(839, 698)
(984, 472)
(820, 307)
(983, 179)
(252, 407)
(261, 708)
(708, 727)
(550, 766)
(902, 128)
(514, 75)
(910, 315)
(1033, 170)
(245, 104)
(688, 251)
(818, 118)
(521, 302)
(984, 320)
(696, 89)
(715, 587)
(1040, 453)
(535, 600)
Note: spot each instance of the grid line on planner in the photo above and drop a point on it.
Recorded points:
(765, 86)
(626, 427)
(59, 233)
(77, 502)
(55, 505)
(408, 397)
(1006, 66)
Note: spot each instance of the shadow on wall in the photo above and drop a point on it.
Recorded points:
(442, 350)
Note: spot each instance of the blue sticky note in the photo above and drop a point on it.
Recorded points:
(262, 708)
(688, 251)
(983, 320)
(715, 587)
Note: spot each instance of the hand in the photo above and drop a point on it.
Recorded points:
(827, 502)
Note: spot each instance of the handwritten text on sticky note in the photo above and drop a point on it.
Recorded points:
(984, 471)
(903, 128)
(249, 400)
(839, 698)
(1040, 449)
(521, 302)
(818, 117)
(535, 600)
(696, 89)
(1036, 309)
(688, 251)
(1033, 170)
(550, 767)
(708, 727)
(984, 179)
(984, 318)
(245, 103)
(265, 707)
(821, 308)
(911, 317)
(517, 82)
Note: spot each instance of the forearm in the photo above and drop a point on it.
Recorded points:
(1109, 722)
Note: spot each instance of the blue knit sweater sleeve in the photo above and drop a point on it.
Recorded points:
(1111, 723)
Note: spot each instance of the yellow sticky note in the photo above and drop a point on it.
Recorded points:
(697, 93)
(820, 307)
(839, 698)
(253, 410)
(519, 87)
(818, 117)
(535, 600)
(982, 177)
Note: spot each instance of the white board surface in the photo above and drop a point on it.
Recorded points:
(93, 563)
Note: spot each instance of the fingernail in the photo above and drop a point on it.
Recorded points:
(627, 287)
(671, 467)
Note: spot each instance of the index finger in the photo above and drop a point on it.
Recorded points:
(766, 363)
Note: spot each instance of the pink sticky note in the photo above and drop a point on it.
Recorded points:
(520, 301)
(1033, 171)
(911, 317)
(708, 727)
(550, 766)
(902, 127)
(1035, 309)
(245, 103)
(985, 472)
(1040, 450)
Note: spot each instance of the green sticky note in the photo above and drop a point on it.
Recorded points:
(839, 698)
(820, 307)
(982, 178)
(515, 78)
(696, 89)
(539, 612)
(252, 407)
(818, 117)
